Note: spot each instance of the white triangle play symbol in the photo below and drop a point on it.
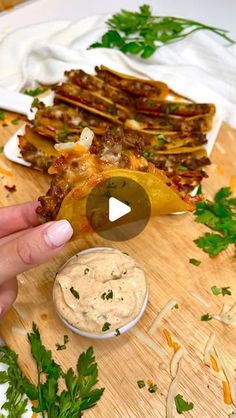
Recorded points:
(117, 209)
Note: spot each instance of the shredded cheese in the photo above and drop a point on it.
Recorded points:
(200, 299)
(163, 312)
(19, 331)
(226, 392)
(174, 383)
(168, 337)
(146, 340)
(214, 365)
(175, 361)
(170, 342)
(227, 315)
(228, 375)
(176, 346)
(208, 349)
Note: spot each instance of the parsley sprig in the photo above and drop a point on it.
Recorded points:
(18, 385)
(142, 33)
(220, 216)
(79, 393)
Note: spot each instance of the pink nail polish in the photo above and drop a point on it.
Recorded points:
(58, 233)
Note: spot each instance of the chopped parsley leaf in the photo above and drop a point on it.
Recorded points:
(62, 136)
(194, 261)
(141, 384)
(74, 293)
(148, 154)
(107, 194)
(152, 388)
(1, 149)
(199, 190)
(35, 103)
(63, 346)
(182, 405)
(182, 168)
(106, 326)
(46, 164)
(110, 110)
(221, 291)
(161, 137)
(117, 333)
(171, 107)
(206, 317)
(34, 92)
(107, 295)
(86, 271)
(15, 121)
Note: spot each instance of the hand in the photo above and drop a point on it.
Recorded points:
(25, 244)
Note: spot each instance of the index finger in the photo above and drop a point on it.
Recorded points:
(18, 217)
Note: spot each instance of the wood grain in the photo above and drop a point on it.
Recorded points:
(163, 249)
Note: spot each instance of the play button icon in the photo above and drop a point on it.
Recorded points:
(118, 208)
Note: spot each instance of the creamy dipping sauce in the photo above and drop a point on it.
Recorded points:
(100, 290)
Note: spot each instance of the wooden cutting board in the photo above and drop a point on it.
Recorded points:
(163, 249)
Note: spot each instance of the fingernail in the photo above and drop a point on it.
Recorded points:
(58, 233)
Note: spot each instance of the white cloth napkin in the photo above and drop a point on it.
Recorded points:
(200, 67)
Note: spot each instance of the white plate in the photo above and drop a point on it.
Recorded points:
(11, 149)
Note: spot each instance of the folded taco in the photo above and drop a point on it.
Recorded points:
(76, 172)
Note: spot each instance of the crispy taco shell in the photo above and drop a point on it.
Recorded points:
(164, 200)
(40, 153)
(133, 85)
(157, 107)
(199, 123)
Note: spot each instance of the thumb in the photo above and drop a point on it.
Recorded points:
(34, 247)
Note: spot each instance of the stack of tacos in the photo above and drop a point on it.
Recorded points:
(139, 125)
